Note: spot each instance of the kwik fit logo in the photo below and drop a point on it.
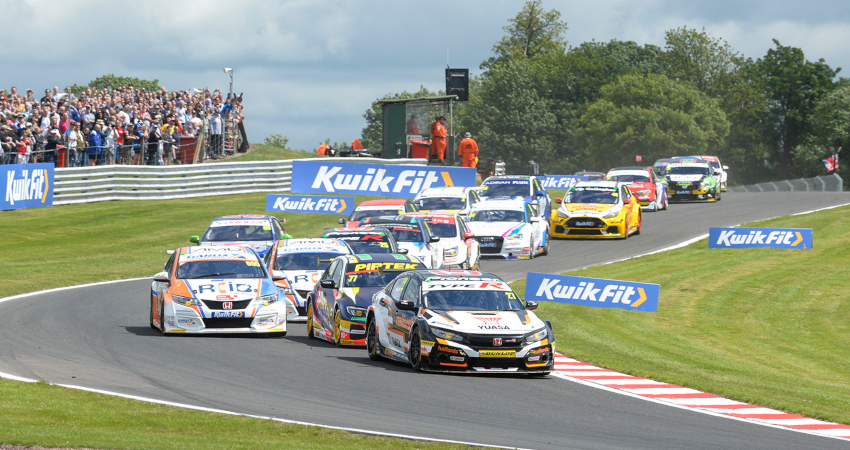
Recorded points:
(27, 186)
(309, 204)
(376, 180)
(595, 292)
(790, 238)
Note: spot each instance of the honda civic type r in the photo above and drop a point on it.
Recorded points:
(216, 290)
(248, 230)
(458, 321)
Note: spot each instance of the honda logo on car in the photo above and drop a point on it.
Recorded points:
(368, 179)
(27, 186)
(227, 305)
(309, 204)
(794, 238)
(595, 292)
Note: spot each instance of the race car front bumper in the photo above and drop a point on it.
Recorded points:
(697, 195)
(185, 320)
(588, 228)
(445, 356)
(502, 247)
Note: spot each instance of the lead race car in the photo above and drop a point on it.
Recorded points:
(216, 290)
(458, 321)
(509, 229)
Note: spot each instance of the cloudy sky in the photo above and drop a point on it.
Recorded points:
(310, 68)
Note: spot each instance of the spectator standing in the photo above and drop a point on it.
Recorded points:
(94, 145)
(109, 146)
(76, 145)
(54, 140)
(215, 132)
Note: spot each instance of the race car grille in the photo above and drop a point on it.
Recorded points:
(228, 323)
(495, 363)
(490, 244)
(590, 232)
(485, 341)
(212, 304)
(303, 294)
(585, 222)
(302, 310)
(559, 229)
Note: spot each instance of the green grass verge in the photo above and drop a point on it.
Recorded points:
(262, 152)
(51, 416)
(764, 326)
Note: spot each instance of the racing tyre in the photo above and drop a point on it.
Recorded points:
(337, 325)
(545, 250)
(151, 319)
(718, 196)
(372, 344)
(310, 320)
(666, 203)
(415, 353)
(640, 224)
(162, 317)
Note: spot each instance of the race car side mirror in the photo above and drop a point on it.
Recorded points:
(540, 194)
(341, 221)
(468, 235)
(435, 239)
(558, 199)
(402, 251)
(626, 201)
(286, 236)
(531, 305)
(328, 284)
(195, 239)
(725, 167)
(535, 219)
(278, 275)
(405, 305)
(162, 277)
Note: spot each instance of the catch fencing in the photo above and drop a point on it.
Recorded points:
(117, 182)
(822, 183)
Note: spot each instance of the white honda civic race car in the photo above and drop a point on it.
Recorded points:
(459, 245)
(510, 229)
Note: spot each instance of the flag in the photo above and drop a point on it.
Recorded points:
(829, 164)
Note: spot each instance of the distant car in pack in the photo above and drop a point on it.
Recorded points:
(249, 230)
(336, 309)
(459, 245)
(447, 199)
(597, 210)
(659, 166)
(645, 185)
(302, 262)
(718, 168)
(365, 241)
(527, 187)
(413, 235)
(692, 182)
(591, 176)
(377, 208)
(509, 229)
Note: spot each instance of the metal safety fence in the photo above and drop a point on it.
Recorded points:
(128, 182)
(822, 183)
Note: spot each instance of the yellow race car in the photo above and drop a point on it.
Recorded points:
(597, 209)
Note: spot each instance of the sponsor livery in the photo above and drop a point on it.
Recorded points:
(374, 179)
(794, 238)
(691, 179)
(459, 245)
(377, 208)
(595, 292)
(597, 209)
(509, 229)
(309, 204)
(26, 186)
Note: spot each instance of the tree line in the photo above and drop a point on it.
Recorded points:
(599, 104)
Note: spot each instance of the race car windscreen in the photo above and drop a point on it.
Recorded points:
(496, 215)
(592, 194)
(472, 300)
(362, 244)
(407, 234)
(688, 170)
(506, 189)
(231, 233)
(374, 278)
(435, 203)
(629, 178)
(357, 216)
(220, 269)
(304, 261)
(442, 228)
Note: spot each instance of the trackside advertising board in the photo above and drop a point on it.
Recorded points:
(594, 292)
(26, 186)
(560, 181)
(795, 238)
(324, 177)
(309, 204)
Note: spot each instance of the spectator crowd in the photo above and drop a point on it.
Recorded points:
(126, 125)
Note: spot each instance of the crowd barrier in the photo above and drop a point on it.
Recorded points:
(120, 182)
(821, 183)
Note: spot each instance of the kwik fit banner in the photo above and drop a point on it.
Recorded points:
(595, 292)
(324, 177)
(27, 185)
(560, 181)
(309, 204)
(796, 238)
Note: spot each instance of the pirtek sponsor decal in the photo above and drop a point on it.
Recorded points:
(552, 289)
(386, 266)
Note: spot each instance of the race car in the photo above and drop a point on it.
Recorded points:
(336, 309)
(413, 235)
(459, 245)
(458, 321)
(364, 241)
(510, 229)
(526, 187)
(447, 199)
(216, 290)
(597, 209)
(645, 185)
(659, 166)
(591, 176)
(718, 169)
(250, 230)
(302, 261)
(692, 181)
(376, 208)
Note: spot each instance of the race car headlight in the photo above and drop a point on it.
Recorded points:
(447, 335)
(563, 214)
(267, 299)
(450, 251)
(354, 311)
(611, 214)
(287, 291)
(642, 193)
(536, 336)
(185, 301)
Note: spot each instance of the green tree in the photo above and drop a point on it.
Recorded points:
(830, 124)
(698, 58)
(531, 33)
(652, 116)
(111, 81)
(372, 135)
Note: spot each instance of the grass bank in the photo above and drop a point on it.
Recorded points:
(263, 152)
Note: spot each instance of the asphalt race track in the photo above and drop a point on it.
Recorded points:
(99, 337)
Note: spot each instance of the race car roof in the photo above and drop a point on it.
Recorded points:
(358, 231)
(615, 172)
(236, 221)
(430, 215)
(379, 204)
(643, 168)
(688, 164)
(207, 253)
(710, 158)
(476, 279)
(372, 221)
(508, 204)
(599, 183)
(311, 246)
(454, 191)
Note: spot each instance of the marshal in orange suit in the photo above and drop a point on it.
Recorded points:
(439, 134)
(468, 150)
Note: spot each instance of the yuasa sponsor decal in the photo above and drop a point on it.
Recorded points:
(27, 186)
(309, 204)
(793, 238)
(228, 314)
(595, 292)
(491, 323)
(368, 179)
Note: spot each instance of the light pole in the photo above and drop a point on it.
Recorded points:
(229, 70)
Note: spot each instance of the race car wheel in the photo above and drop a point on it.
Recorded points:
(655, 206)
(640, 224)
(415, 353)
(372, 344)
(545, 250)
(337, 325)
(162, 317)
(666, 203)
(151, 320)
(718, 196)
(310, 320)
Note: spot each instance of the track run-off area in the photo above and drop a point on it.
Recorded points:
(98, 337)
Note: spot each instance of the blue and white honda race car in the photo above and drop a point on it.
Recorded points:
(526, 187)
(510, 229)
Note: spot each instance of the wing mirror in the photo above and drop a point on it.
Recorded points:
(531, 305)
(405, 305)
(286, 236)
(328, 284)
(540, 194)
(341, 221)
(162, 277)
(278, 275)
(402, 251)
(627, 201)
(468, 235)
(535, 219)
(558, 200)
(725, 167)
(195, 239)
(435, 239)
